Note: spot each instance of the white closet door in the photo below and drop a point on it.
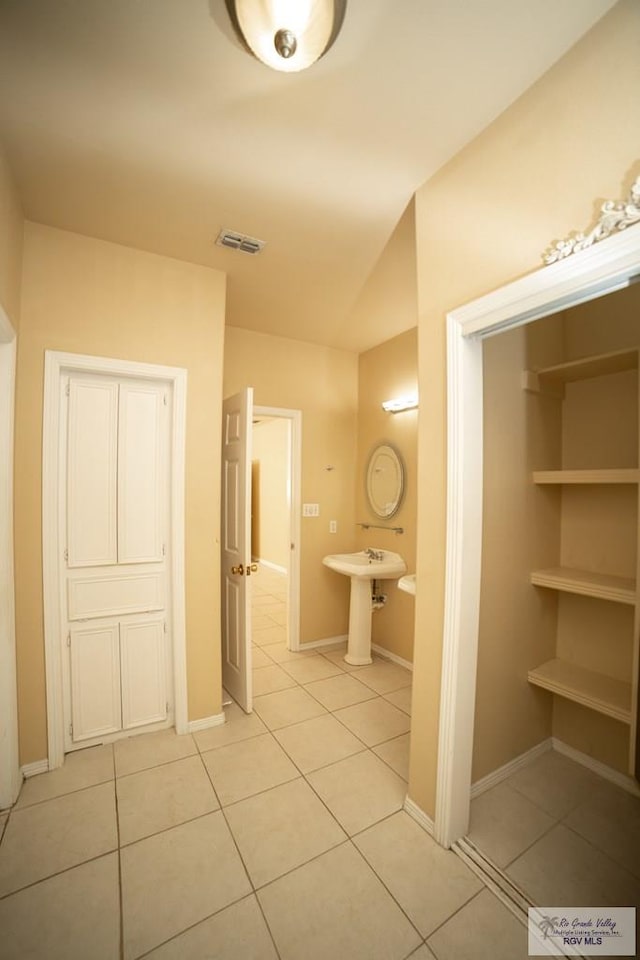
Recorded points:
(91, 482)
(144, 691)
(140, 473)
(95, 681)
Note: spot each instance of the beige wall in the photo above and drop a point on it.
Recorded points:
(388, 371)
(87, 296)
(11, 241)
(323, 384)
(482, 221)
(270, 492)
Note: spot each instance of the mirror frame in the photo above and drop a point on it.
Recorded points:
(393, 452)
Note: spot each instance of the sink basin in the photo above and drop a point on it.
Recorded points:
(408, 584)
(360, 565)
(362, 569)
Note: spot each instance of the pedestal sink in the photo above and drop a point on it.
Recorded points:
(362, 568)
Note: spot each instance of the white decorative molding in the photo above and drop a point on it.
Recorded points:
(327, 642)
(387, 655)
(497, 776)
(35, 768)
(615, 215)
(271, 566)
(205, 723)
(417, 813)
(602, 770)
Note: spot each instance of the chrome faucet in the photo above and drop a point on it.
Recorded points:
(374, 554)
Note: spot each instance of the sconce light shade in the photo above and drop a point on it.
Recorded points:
(398, 404)
(287, 35)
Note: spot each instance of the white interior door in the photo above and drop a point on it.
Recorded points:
(237, 416)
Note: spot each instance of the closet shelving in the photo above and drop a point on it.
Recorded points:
(595, 690)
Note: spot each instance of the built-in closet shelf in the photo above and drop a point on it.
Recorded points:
(592, 690)
(588, 367)
(586, 583)
(628, 476)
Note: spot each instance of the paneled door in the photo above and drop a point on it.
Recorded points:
(115, 578)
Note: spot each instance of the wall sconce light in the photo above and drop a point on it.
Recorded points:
(287, 35)
(399, 404)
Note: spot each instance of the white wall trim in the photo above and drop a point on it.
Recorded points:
(205, 723)
(35, 768)
(10, 778)
(271, 566)
(56, 365)
(295, 506)
(607, 773)
(497, 776)
(392, 656)
(417, 814)
(327, 642)
(593, 272)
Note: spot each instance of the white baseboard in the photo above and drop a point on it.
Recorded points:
(607, 773)
(271, 566)
(327, 642)
(216, 720)
(392, 656)
(33, 769)
(497, 776)
(417, 814)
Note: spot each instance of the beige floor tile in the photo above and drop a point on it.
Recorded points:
(311, 668)
(236, 933)
(270, 680)
(52, 836)
(374, 721)
(259, 658)
(483, 930)
(238, 726)
(82, 768)
(340, 691)
(268, 635)
(422, 953)
(336, 655)
(504, 823)
(428, 882)
(400, 698)
(565, 870)
(261, 621)
(163, 797)
(359, 791)
(286, 707)
(73, 915)
(317, 743)
(282, 829)
(3, 822)
(244, 769)
(554, 782)
(609, 818)
(150, 750)
(395, 753)
(280, 617)
(279, 653)
(335, 906)
(384, 677)
(176, 879)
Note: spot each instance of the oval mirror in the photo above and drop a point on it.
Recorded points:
(385, 480)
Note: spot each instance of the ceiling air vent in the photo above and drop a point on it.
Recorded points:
(239, 241)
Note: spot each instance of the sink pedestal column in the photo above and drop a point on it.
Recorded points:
(359, 644)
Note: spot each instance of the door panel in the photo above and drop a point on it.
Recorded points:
(91, 472)
(140, 474)
(107, 596)
(142, 659)
(236, 547)
(95, 681)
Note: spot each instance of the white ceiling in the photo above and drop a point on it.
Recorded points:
(144, 122)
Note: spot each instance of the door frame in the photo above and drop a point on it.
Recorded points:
(56, 366)
(593, 272)
(10, 777)
(295, 509)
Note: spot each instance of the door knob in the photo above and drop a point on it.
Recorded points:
(252, 568)
(239, 569)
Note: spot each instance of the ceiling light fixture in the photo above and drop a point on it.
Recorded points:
(287, 35)
(398, 404)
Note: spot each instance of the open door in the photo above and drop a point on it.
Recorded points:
(237, 414)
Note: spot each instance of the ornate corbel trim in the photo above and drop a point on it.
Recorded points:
(615, 215)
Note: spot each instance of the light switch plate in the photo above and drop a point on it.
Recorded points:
(310, 509)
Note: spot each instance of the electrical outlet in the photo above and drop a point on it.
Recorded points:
(333, 526)
(310, 509)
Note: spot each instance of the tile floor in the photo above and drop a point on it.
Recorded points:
(280, 835)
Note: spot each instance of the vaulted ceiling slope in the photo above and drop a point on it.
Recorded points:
(145, 123)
